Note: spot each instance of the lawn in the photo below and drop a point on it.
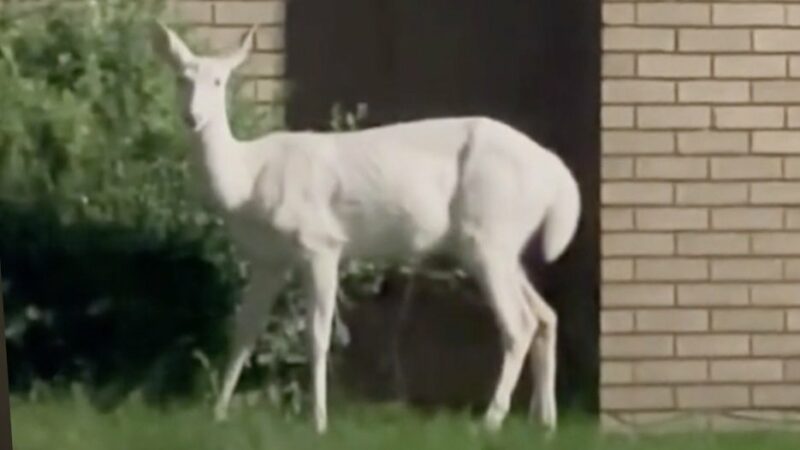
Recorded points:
(72, 424)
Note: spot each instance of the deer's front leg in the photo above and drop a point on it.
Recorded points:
(259, 296)
(322, 284)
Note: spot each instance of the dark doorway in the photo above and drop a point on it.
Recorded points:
(531, 63)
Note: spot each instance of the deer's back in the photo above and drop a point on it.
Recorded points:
(384, 192)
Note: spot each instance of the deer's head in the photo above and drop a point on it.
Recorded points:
(202, 80)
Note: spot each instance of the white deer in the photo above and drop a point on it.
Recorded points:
(471, 188)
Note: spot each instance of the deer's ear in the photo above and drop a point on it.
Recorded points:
(171, 46)
(239, 56)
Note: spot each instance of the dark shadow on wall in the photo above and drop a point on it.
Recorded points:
(532, 63)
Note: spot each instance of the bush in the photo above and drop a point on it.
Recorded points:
(113, 275)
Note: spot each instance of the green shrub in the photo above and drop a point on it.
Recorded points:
(113, 275)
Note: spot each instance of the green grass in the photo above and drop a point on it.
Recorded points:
(71, 423)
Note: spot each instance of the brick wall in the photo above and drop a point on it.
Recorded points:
(701, 212)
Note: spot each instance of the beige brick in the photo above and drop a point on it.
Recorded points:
(637, 244)
(624, 38)
(249, 12)
(793, 14)
(671, 371)
(712, 294)
(791, 269)
(672, 269)
(699, 244)
(711, 193)
(191, 12)
(776, 141)
(672, 219)
(746, 168)
(270, 90)
(793, 219)
(267, 38)
(775, 193)
(616, 219)
(793, 320)
(686, 117)
(713, 142)
(747, 218)
(748, 14)
(672, 14)
(707, 40)
(777, 345)
(713, 91)
(777, 396)
(672, 320)
(635, 398)
(674, 66)
(749, 117)
(794, 66)
(617, 117)
(747, 370)
(270, 38)
(750, 66)
(776, 91)
(616, 270)
(618, 13)
(746, 269)
(776, 40)
(713, 345)
(649, 346)
(644, 193)
(638, 91)
(616, 168)
(776, 243)
(637, 142)
(634, 295)
(783, 294)
(264, 64)
(793, 120)
(615, 65)
(615, 372)
(616, 322)
(791, 168)
(747, 319)
(712, 397)
(792, 370)
(671, 167)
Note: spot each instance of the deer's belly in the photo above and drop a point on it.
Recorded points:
(384, 231)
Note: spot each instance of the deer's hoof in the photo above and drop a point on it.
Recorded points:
(220, 414)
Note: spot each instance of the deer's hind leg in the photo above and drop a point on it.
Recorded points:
(542, 356)
(496, 270)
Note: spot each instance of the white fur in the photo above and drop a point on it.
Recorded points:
(473, 188)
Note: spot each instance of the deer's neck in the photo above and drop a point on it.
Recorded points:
(221, 164)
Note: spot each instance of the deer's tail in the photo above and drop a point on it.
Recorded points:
(561, 219)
